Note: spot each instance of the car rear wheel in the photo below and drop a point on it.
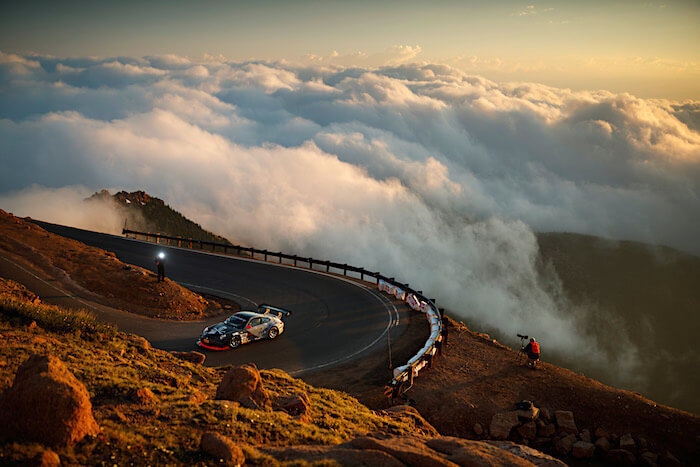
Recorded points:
(235, 342)
(273, 332)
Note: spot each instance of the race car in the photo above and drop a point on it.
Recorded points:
(243, 327)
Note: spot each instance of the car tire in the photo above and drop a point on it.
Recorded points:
(273, 332)
(235, 342)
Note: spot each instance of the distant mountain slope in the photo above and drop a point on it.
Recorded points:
(147, 213)
(650, 293)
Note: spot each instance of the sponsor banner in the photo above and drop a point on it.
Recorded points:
(413, 302)
(424, 307)
(383, 286)
(400, 294)
(399, 369)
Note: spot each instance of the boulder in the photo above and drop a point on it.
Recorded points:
(502, 423)
(530, 414)
(249, 403)
(528, 430)
(195, 357)
(343, 456)
(565, 421)
(544, 413)
(297, 404)
(243, 381)
(46, 404)
(603, 444)
(407, 449)
(564, 445)
(222, 448)
(528, 454)
(621, 457)
(601, 433)
(627, 442)
(546, 430)
(478, 429)
(583, 450)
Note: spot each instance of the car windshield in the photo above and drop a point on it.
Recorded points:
(236, 321)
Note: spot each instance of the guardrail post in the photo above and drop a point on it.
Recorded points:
(328, 266)
(265, 254)
(311, 263)
(345, 269)
(295, 260)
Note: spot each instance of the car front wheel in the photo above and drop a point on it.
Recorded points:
(235, 342)
(273, 332)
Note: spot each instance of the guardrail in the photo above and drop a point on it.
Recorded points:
(414, 298)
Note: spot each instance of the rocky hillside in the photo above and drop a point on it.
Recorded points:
(75, 391)
(146, 213)
(98, 274)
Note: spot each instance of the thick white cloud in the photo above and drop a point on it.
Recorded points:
(420, 171)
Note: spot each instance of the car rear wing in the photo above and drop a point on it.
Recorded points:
(271, 310)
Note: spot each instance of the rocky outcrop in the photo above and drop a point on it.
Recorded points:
(406, 412)
(582, 450)
(413, 450)
(46, 404)
(241, 382)
(222, 448)
(531, 455)
(144, 396)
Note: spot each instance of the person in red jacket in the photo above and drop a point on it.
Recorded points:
(533, 352)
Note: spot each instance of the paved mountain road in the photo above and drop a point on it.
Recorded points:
(333, 319)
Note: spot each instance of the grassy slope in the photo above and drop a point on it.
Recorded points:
(113, 366)
(653, 295)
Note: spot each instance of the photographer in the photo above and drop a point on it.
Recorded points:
(533, 352)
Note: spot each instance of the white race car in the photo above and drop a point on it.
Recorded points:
(243, 327)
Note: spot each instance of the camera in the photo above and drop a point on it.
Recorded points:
(522, 336)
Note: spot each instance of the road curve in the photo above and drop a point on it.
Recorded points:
(333, 321)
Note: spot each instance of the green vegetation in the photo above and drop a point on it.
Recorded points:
(114, 366)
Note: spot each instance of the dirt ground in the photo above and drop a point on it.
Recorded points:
(98, 275)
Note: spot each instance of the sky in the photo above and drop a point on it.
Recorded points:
(646, 48)
(431, 143)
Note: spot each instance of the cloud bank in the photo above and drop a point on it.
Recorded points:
(418, 170)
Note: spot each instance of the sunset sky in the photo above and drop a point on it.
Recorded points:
(647, 48)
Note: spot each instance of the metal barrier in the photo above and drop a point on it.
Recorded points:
(415, 299)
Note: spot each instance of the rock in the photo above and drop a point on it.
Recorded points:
(603, 444)
(46, 404)
(478, 429)
(409, 450)
(585, 435)
(649, 459)
(642, 443)
(601, 433)
(528, 430)
(541, 441)
(565, 421)
(621, 457)
(145, 396)
(627, 442)
(46, 458)
(564, 445)
(528, 454)
(140, 342)
(222, 448)
(502, 423)
(343, 456)
(243, 381)
(529, 414)
(195, 357)
(297, 404)
(583, 450)
(249, 403)
(546, 430)
(544, 413)
(669, 460)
